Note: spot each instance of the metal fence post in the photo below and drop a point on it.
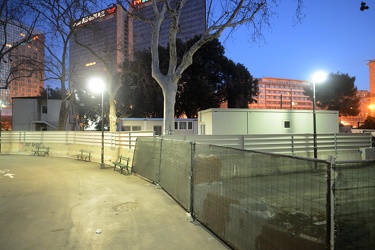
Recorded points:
(330, 207)
(292, 142)
(192, 148)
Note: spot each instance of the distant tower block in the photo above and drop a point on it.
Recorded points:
(371, 65)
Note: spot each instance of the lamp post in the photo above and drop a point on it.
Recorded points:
(97, 85)
(317, 78)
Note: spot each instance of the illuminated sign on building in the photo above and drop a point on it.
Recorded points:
(137, 2)
(92, 17)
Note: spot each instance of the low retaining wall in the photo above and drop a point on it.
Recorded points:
(69, 150)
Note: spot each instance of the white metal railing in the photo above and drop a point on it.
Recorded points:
(94, 138)
(291, 144)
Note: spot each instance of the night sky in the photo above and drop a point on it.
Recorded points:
(335, 36)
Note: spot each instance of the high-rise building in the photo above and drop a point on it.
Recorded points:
(367, 102)
(371, 65)
(192, 22)
(280, 93)
(106, 34)
(14, 63)
(371, 96)
(22, 65)
(365, 110)
(113, 36)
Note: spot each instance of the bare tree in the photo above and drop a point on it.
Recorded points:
(57, 18)
(110, 57)
(12, 17)
(221, 15)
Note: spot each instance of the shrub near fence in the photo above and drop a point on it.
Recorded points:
(255, 200)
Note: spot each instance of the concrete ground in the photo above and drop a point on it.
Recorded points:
(62, 203)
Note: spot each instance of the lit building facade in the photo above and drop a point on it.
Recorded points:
(365, 110)
(113, 35)
(371, 95)
(371, 65)
(367, 106)
(105, 33)
(280, 93)
(23, 65)
(192, 22)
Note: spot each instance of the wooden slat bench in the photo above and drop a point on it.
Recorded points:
(41, 150)
(122, 162)
(84, 155)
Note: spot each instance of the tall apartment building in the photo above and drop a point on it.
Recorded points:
(104, 32)
(367, 103)
(192, 22)
(24, 64)
(280, 93)
(371, 65)
(113, 35)
(371, 95)
(365, 110)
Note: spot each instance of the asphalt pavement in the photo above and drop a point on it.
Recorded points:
(64, 203)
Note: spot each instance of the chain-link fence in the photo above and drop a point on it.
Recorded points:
(254, 200)
(354, 192)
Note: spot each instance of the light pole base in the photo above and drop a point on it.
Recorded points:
(102, 166)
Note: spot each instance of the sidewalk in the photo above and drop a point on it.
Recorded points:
(62, 203)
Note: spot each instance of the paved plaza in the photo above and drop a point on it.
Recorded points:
(63, 203)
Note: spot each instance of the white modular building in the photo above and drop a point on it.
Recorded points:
(182, 126)
(216, 121)
(40, 114)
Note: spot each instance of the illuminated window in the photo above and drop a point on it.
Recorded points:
(90, 64)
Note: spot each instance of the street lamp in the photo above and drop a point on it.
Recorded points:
(318, 77)
(97, 85)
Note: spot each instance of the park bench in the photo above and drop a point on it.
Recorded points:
(84, 155)
(122, 162)
(41, 150)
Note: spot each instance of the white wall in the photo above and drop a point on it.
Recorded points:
(24, 111)
(266, 121)
(205, 123)
(53, 111)
(229, 122)
(147, 124)
(27, 113)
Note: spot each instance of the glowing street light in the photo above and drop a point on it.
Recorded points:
(318, 77)
(97, 85)
(371, 107)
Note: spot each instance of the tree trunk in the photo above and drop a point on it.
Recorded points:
(112, 117)
(169, 93)
(63, 116)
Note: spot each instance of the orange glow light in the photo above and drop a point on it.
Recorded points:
(111, 10)
(136, 2)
